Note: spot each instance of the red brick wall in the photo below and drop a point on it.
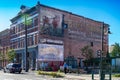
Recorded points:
(90, 29)
(4, 45)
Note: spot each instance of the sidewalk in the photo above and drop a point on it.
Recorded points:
(81, 76)
(87, 77)
(75, 76)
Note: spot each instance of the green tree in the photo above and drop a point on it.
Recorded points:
(26, 18)
(116, 50)
(1, 56)
(87, 52)
(11, 55)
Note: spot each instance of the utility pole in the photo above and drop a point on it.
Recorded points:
(101, 54)
(25, 22)
(26, 47)
(102, 73)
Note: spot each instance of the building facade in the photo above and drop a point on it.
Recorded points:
(54, 35)
(4, 46)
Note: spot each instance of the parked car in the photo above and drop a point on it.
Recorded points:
(13, 67)
(1, 67)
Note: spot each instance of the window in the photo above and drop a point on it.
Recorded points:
(91, 44)
(35, 21)
(65, 26)
(32, 40)
(0, 41)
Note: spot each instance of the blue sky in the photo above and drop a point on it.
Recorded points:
(107, 11)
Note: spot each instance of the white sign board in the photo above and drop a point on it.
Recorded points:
(50, 52)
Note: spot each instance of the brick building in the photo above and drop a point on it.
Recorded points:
(4, 46)
(55, 35)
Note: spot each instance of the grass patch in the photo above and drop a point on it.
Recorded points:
(53, 74)
(116, 75)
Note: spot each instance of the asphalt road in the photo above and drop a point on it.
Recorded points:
(25, 76)
(33, 76)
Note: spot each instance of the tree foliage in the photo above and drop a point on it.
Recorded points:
(1, 56)
(26, 19)
(116, 50)
(11, 55)
(87, 52)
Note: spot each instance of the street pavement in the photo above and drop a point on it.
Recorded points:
(32, 75)
(73, 76)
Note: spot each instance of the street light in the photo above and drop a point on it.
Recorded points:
(102, 75)
(26, 22)
(109, 32)
(102, 35)
(26, 48)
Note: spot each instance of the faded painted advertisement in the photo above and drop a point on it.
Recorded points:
(51, 23)
(50, 52)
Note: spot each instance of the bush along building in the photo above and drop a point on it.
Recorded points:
(55, 36)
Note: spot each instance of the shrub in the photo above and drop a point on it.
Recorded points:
(116, 75)
(53, 74)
